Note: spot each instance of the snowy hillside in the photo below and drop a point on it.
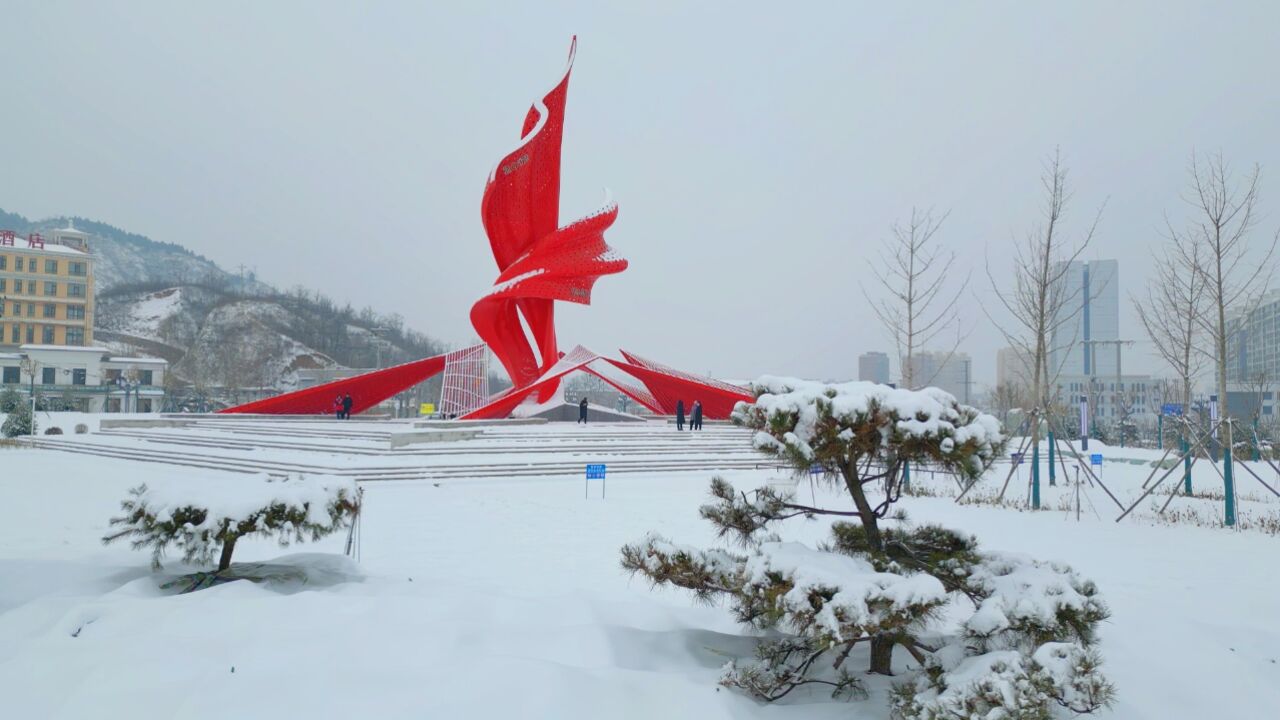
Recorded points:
(217, 336)
(125, 258)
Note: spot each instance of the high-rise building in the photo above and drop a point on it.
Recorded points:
(952, 372)
(1013, 368)
(46, 289)
(1090, 312)
(873, 367)
(1253, 359)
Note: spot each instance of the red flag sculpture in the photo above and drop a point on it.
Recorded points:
(539, 261)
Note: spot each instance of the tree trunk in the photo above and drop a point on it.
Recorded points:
(865, 513)
(228, 546)
(882, 654)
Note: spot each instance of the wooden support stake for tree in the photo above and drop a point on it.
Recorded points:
(1168, 472)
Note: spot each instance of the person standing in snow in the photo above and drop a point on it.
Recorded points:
(346, 406)
(679, 415)
(582, 411)
(695, 422)
(337, 407)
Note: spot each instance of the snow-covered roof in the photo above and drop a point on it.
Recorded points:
(138, 360)
(68, 348)
(20, 244)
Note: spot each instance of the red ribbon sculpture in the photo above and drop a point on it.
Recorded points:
(540, 262)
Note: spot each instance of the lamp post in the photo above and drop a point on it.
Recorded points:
(127, 384)
(31, 366)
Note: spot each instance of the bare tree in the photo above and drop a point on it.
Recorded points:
(1234, 273)
(1174, 310)
(914, 274)
(1040, 301)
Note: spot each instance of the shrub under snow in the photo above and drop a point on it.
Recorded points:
(209, 517)
(1020, 634)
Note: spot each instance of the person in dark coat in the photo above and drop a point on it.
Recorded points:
(679, 414)
(582, 411)
(695, 422)
(346, 406)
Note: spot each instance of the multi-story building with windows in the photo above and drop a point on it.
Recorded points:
(873, 367)
(1253, 358)
(952, 372)
(1089, 315)
(88, 379)
(46, 289)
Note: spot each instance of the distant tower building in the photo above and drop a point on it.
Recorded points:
(873, 367)
(1090, 312)
(1013, 368)
(952, 372)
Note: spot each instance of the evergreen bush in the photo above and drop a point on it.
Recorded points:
(1021, 634)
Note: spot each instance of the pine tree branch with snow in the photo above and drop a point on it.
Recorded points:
(1020, 634)
(205, 520)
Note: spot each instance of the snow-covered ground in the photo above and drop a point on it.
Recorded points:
(502, 596)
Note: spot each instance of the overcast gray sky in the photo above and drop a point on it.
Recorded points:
(758, 152)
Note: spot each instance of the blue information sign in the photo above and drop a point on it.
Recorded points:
(1095, 459)
(1171, 409)
(595, 471)
(816, 469)
(1015, 458)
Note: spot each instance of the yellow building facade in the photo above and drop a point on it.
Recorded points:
(46, 289)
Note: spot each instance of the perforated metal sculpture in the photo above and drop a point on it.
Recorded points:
(540, 262)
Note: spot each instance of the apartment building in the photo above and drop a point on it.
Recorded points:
(46, 289)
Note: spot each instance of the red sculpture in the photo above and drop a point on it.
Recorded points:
(540, 262)
(366, 391)
(663, 387)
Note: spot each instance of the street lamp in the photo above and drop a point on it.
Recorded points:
(127, 384)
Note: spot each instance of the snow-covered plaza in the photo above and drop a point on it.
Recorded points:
(487, 585)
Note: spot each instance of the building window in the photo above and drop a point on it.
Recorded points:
(51, 289)
(31, 334)
(31, 287)
(110, 376)
(75, 290)
(31, 309)
(14, 333)
(51, 267)
(76, 268)
(4, 262)
(144, 377)
(1266, 409)
(75, 336)
(11, 375)
(48, 376)
(78, 376)
(50, 310)
(4, 284)
(46, 335)
(17, 263)
(75, 312)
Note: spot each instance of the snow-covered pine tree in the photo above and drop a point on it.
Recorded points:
(205, 519)
(1027, 642)
(9, 400)
(18, 422)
